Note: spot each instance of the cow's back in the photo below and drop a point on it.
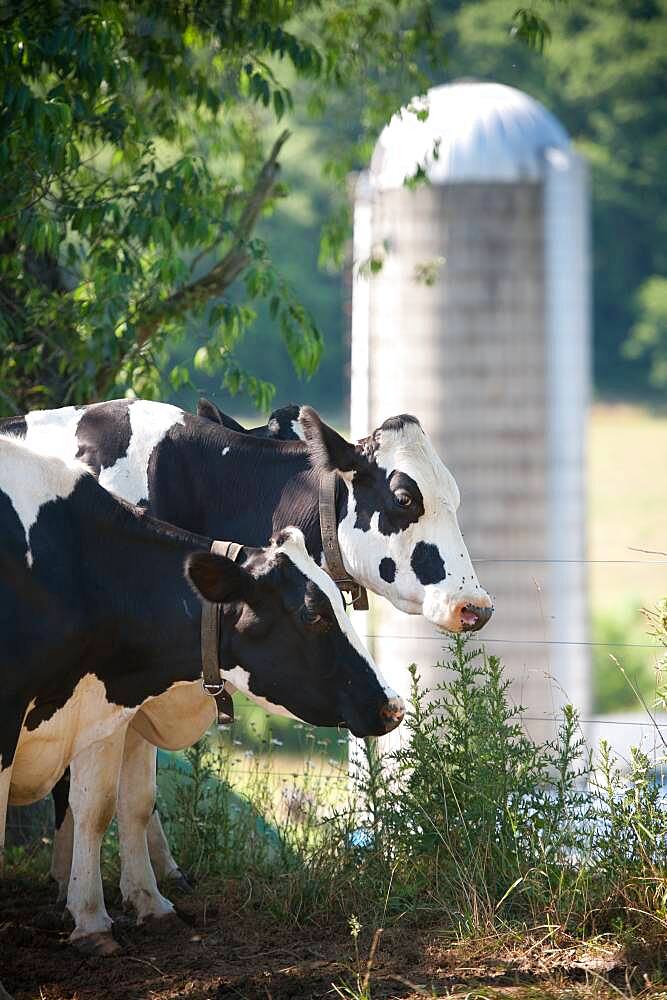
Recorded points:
(115, 439)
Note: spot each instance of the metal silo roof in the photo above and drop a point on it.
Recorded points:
(474, 132)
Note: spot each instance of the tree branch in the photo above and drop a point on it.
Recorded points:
(236, 259)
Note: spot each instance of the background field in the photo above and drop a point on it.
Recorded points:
(627, 495)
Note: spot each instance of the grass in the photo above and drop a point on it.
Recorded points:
(477, 846)
(627, 486)
(472, 820)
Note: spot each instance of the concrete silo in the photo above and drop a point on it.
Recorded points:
(478, 323)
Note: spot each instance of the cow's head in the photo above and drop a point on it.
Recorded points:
(285, 626)
(399, 535)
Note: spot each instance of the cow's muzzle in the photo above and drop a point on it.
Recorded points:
(473, 617)
(392, 714)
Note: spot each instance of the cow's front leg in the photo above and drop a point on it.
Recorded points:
(136, 799)
(92, 797)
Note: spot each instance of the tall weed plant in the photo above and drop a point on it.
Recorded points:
(471, 825)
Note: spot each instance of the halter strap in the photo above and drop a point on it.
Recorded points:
(212, 683)
(330, 546)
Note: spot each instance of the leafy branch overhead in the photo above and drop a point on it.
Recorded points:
(139, 151)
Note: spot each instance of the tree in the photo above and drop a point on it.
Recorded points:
(138, 148)
(603, 74)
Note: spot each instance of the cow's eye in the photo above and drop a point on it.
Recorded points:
(402, 498)
(314, 619)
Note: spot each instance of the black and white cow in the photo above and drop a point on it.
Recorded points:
(396, 501)
(100, 650)
(395, 505)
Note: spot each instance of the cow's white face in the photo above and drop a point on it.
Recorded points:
(400, 535)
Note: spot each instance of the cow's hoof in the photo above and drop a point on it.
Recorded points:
(100, 944)
(163, 924)
(179, 881)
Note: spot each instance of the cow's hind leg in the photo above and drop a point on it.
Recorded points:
(136, 799)
(61, 859)
(92, 798)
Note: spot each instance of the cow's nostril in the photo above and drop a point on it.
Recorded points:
(392, 713)
(473, 617)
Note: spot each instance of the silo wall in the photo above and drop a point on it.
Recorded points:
(456, 329)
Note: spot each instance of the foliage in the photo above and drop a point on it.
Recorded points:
(137, 152)
(471, 823)
(656, 618)
(623, 666)
(648, 336)
(471, 826)
(602, 74)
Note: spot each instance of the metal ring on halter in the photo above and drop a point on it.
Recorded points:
(213, 689)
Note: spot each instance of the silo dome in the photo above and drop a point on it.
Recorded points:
(474, 132)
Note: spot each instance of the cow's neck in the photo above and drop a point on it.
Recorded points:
(227, 485)
(154, 616)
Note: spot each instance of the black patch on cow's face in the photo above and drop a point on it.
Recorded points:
(369, 445)
(375, 492)
(398, 423)
(103, 434)
(388, 569)
(427, 563)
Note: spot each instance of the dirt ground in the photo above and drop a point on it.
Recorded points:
(223, 950)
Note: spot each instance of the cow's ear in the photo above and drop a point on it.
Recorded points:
(328, 450)
(218, 579)
(208, 410)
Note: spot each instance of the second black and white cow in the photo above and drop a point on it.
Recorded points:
(100, 651)
(395, 504)
(396, 501)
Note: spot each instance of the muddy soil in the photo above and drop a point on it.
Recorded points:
(224, 950)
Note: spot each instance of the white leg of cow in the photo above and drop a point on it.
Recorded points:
(136, 798)
(61, 858)
(92, 797)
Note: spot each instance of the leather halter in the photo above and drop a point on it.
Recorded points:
(330, 546)
(210, 645)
